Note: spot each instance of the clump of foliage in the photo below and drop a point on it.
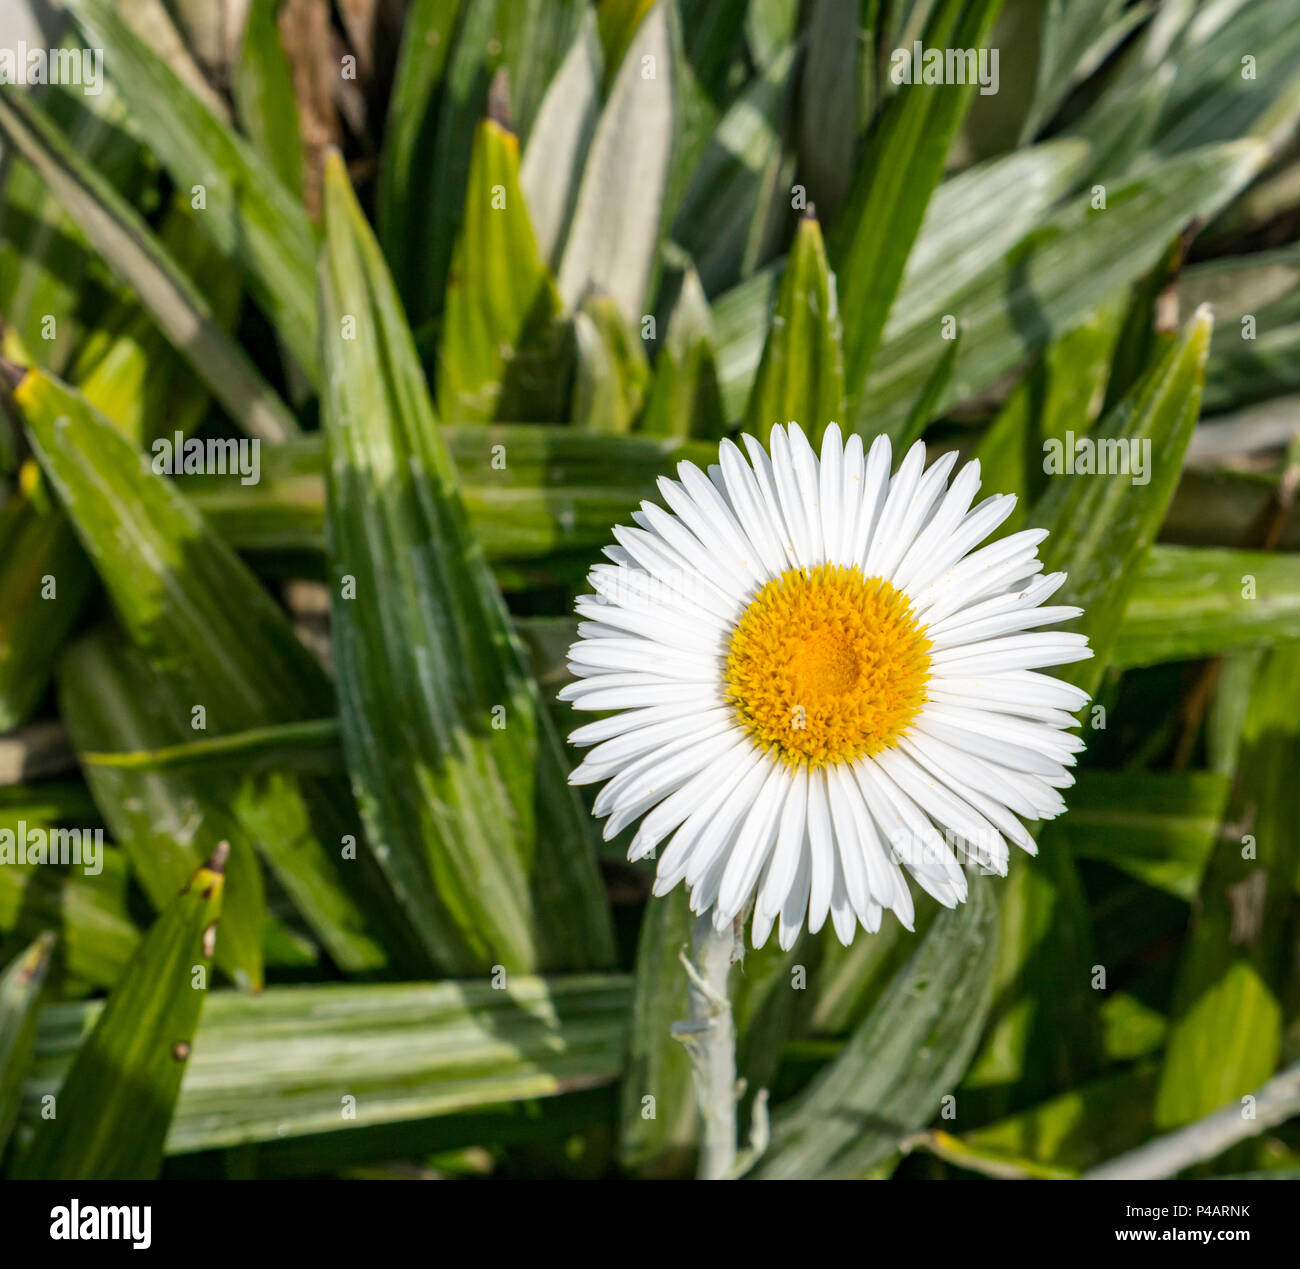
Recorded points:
(473, 273)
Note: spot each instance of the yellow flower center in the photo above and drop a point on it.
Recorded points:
(826, 665)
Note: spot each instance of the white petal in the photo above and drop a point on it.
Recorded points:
(754, 842)
(779, 876)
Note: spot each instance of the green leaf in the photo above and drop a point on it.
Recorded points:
(126, 243)
(35, 543)
(415, 226)
(1157, 826)
(770, 25)
(20, 998)
(303, 744)
(658, 1065)
(1145, 323)
(737, 207)
(846, 982)
(1131, 1029)
(1205, 101)
(1228, 710)
(971, 223)
(264, 95)
(683, 398)
(487, 848)
(278, 1065)
(1226, 1032)
(536, 36)
(1075, 1129)
(1043, 1034)
(166, 825)
(886, 203)
(1061, 394)
(741, 317)
(1102, 525)
(614, 236)
(612, 373)
(560, 490)
(557, 146)
(1046, 285)
(1198, 602)
(248, 212)
(503, 344)
(130, 372)
(905, 1055)
(97, 934)
(927, 402)
(619, 20)
(177, 45)
(46, 265)
(801, 377)
(827, 131)
(975, 218)
(222, 644)
(1075, 36)
(117, 1100)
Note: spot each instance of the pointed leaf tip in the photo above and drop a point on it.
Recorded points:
(217, 860)
(498, 104)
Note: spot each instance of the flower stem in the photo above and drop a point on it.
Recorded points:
(711, 1039)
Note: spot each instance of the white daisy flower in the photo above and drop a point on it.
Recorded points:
(820, 684)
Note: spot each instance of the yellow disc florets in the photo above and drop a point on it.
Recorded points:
(826, 665)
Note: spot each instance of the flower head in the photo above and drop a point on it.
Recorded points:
(821, 684)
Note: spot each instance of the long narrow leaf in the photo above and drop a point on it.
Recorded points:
(117, 1100)
(120, 235)
(801, 377)
(20, 997)
(341, 1057)
(227, 650)
(906, 1054)
(248, 210)
(460, 778)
